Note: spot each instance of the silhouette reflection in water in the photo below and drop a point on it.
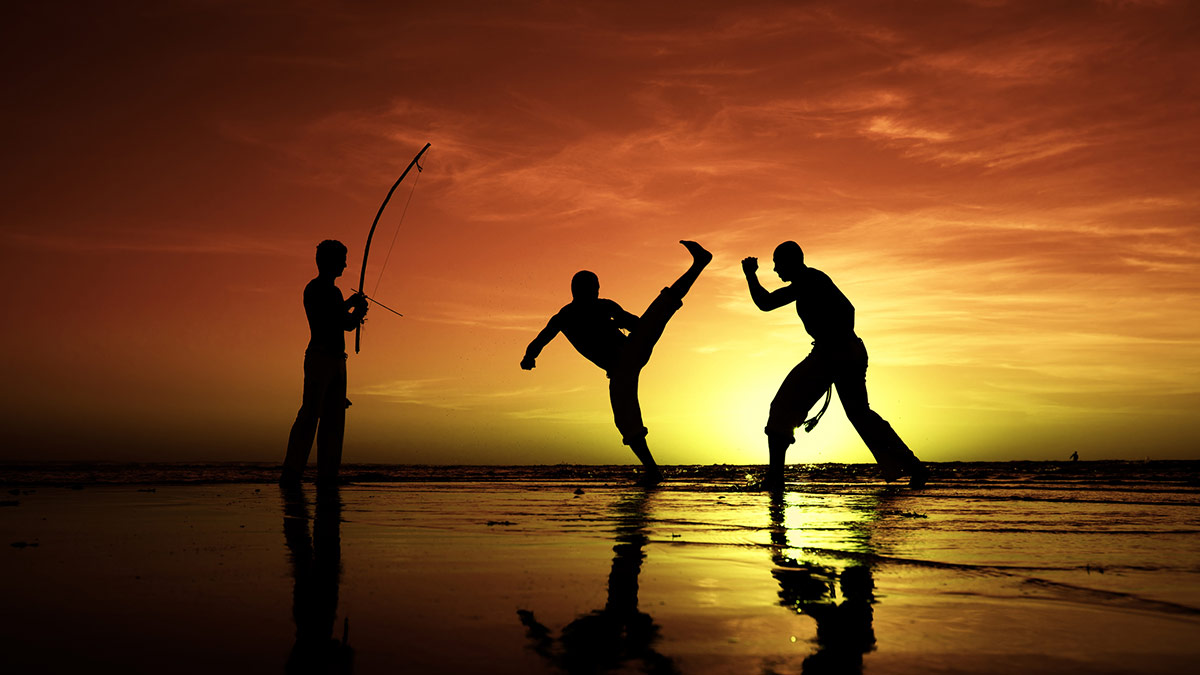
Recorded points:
(608, 639)
(316, 568)
(844, 625)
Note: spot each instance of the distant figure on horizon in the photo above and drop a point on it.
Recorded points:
(593, 326)
(838, 358)
(1075, 456)
(324, 402)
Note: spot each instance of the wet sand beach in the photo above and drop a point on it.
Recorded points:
(1000, 569)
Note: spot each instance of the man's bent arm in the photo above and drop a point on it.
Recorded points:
(357, 303)
(539, 343)
(764, 299)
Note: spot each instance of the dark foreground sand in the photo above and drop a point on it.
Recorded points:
(531, 577)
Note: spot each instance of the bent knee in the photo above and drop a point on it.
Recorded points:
(632, 436)
(779, 431)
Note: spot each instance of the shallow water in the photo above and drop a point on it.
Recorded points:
(993, 568)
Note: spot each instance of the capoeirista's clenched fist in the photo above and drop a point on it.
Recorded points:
(527, 363)
(750, 265)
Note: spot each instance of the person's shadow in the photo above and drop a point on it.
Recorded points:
(316, 570)
(844, 624)
(619, 634)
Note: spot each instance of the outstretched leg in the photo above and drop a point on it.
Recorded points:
(623, 378)
(654, 320)
(895, 459)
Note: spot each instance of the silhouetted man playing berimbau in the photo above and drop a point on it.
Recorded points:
(593, 326)
(838, 358)
(323, 409)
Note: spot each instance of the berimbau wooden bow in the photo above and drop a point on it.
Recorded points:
(362, 274)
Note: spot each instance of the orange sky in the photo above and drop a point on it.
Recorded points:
(1007, 193)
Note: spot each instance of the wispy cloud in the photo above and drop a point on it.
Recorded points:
(157, 241)
(453, 394)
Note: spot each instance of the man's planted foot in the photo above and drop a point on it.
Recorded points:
(700, 254)
(919, 476)
(328, 481)
(772, 483)
(651, 478)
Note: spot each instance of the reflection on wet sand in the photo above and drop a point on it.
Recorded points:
(316, 570)
(619, 634)
(844, 628)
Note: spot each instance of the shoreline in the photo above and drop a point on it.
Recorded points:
(19, 474)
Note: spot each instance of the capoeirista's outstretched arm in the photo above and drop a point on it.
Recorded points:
(764, 299)
(539, 343)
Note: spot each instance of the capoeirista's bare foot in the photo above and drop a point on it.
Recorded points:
(772, 482)
(651, 477)
(699, 253)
